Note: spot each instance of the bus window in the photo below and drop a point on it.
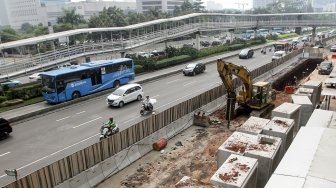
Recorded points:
(48, 84)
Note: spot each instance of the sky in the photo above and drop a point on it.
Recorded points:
(219, 4)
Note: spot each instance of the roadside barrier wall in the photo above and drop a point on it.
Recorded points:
(91, 165)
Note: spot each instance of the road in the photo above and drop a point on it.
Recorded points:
(55, 135)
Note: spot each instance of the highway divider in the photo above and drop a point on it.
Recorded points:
(87, 167)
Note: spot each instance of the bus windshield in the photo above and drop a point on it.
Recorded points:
(48, 84)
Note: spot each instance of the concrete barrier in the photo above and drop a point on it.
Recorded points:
(121, 159)
(170, 130)
(95, 175)
(145, 145)
(162, 133)
(109, 167)
(133, 153)
(63, 185)
(79, 181)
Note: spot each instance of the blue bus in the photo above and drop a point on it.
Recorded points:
(73, 82)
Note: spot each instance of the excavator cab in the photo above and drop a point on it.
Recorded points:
(262, 95)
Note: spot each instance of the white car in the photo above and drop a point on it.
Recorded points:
(35, 76)
(125, 94)
(278, 55)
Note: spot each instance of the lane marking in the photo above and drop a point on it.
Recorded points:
(5, 154)
(63, 118)
(80, 112)
(173, 81)
(189, 83)
(55, 152)
(155, 96)
(87, 122)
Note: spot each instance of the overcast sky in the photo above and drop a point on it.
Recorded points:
(215, 3)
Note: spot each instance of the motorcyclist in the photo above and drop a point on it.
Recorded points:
(148, 104)
(110, 124)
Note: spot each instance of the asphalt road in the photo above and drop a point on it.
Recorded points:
(38, 141)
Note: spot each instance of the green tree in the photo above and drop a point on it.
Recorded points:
(27, 28)
(187, 7)
(109, 17)
(8, 34)
(40, 30)
(71, 17)
(198, 6)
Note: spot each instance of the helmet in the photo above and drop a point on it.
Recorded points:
(111, 118)
(147, 97)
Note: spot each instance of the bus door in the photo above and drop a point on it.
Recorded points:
(60, 86)
(96, 77)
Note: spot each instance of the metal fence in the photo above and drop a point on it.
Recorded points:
(72, 165)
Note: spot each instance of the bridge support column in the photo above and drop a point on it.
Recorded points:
(122, 54)
(198, 42)
(231, 35)
(313, 35)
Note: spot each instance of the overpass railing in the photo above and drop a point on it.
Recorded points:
(129, 37)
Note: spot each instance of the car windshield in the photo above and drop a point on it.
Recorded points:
(119, 92)
(190, 66)
(324, 65)
(277, 55)
(48, 83)
(245, 51)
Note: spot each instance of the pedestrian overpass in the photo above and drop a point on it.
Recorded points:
(125, 38)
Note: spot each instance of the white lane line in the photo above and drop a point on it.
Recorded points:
(173, 81)
(56, 152)
(86, 122)
(5, 154)
(80, 112)
(155, 96)
(63, 118)
(188, 83)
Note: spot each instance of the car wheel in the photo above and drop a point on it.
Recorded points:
(121, 104)
(194, 73)
(139, 97)
(116, 84)
(76, 95)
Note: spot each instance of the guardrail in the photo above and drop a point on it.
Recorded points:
(81, 165)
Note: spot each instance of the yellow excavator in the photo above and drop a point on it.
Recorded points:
(254, 98)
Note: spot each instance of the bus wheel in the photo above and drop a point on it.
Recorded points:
(76, 95)
(116, 84)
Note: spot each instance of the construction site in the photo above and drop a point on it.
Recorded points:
(286, 147)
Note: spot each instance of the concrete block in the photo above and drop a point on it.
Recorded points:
(262, 147)
(305, 92)
(133, 153)
(320, 118)
(95, 175)
(145, 145)
(79, 181)
(236, 172)
(290, 111)
(64, 184)
(122, 159)
(109, 167)
(254, 125)
(162, 133)
(306, 108)
(170, 130)
(317, 87)
(281, 128)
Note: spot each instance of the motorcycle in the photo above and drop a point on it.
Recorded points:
(147, 107)
(106, 131)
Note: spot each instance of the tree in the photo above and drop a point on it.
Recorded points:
(40, 30)
(8, 34)
(27, 28)
(198, 6)
(110, 17)
(70, 17)
(187, 7)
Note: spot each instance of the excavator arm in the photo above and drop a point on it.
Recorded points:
(226, 70)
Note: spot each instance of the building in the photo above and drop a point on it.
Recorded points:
(86, 9)
(53, 2)
(17, 12)
(162, 5)
(261, 3)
